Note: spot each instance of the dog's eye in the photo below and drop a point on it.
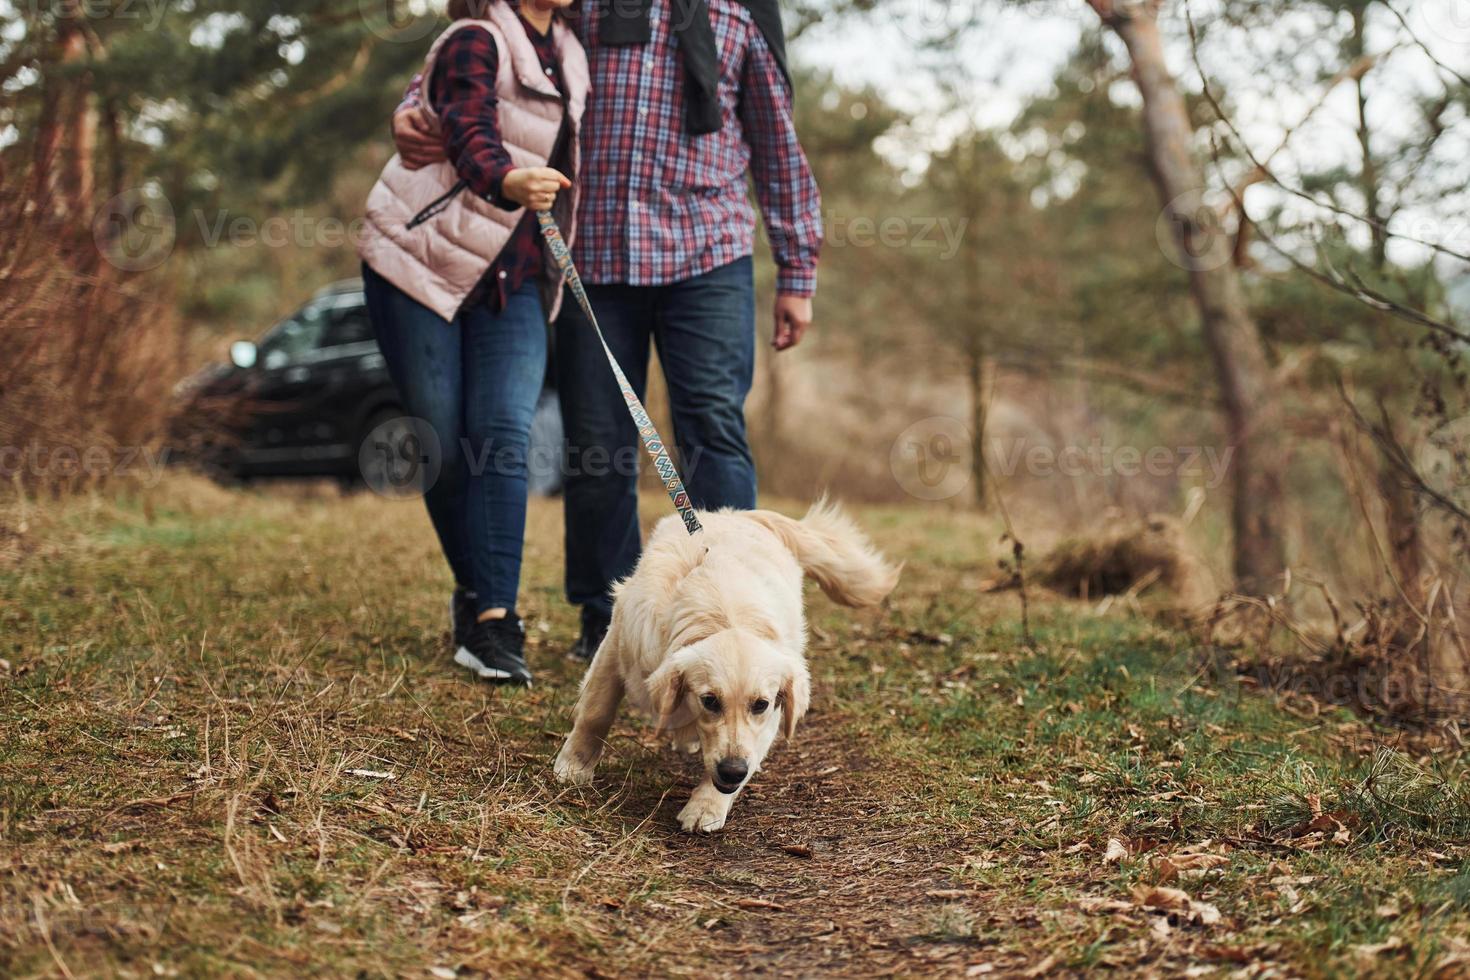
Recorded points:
(710, 702)
(759, 706)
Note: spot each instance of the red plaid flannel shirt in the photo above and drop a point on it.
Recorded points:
(660, 206)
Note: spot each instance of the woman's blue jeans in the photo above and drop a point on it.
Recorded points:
(475, 382)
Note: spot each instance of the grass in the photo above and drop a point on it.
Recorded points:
(203, 691)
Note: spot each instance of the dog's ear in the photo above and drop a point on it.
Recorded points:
(796, 695)
(668, 689)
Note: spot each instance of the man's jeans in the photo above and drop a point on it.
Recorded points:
(704, 329)
(475, 382)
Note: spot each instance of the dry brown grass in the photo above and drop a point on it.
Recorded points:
(202, 689)
(91, 354)
(1127, 556)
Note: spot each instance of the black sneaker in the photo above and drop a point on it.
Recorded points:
(462, 614)
(594, 627)
(495, 650)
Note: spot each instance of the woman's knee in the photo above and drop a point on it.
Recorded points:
(499, 445)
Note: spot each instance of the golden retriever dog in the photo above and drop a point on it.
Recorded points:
(708, 635)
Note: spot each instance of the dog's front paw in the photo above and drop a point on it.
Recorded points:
(571, 768)
(703, 815)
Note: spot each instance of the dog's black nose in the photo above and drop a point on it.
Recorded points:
(730, 773)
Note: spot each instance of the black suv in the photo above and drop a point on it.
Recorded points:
(304, 400)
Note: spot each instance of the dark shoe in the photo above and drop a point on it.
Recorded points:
(462, 614)
(594, 628)
(495, 651)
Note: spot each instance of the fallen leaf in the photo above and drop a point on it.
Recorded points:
(948, 893)
(1186, 864)
(1191, 862)
(1116, 851)
(1370, 950)
(371, 774)
(759, 903)
(1204, 913)
(1174, 900)
(1042, 968)
(1159, 897)
(1089, 903)
(1336, 826)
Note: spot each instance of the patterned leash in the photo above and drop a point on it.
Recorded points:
(652, 442)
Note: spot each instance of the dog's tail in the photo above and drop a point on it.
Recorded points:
(830, 548)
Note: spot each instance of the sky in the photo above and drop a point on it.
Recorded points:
(1013, 51)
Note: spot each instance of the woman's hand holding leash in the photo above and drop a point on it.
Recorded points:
(534, 187)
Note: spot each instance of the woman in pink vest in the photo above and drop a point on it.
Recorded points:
(460, 292)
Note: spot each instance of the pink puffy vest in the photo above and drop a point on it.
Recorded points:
(442, 259)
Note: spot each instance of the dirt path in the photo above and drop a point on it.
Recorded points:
(259, 763)
(819, 871)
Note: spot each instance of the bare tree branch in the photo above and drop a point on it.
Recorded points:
(1394, 452)
(1424, 47)
(1262, 168)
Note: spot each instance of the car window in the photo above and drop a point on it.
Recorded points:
(295, 337)
(348, 325)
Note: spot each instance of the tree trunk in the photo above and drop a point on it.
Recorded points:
(1401, 524)
(1368, 173)
(48, 136)
(80, 118)
(980, 377)
(1400, 511)
(1252, 418)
